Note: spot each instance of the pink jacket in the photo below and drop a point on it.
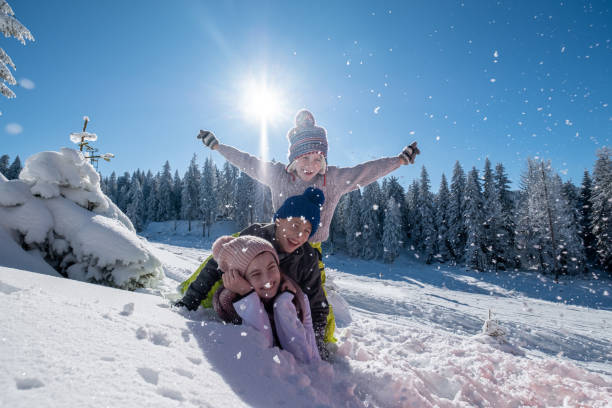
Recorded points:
(295, 335)
(335, 183)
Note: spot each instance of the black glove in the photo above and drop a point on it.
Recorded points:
(179, 303)
(208, 138)
(409, 153)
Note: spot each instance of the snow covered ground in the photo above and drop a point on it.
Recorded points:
(414, 341)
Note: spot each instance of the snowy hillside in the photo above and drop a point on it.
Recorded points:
(414, 342)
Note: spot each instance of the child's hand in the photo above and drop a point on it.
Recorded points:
(287, 285)
(209, 139)
(409, 153)
(236, 283)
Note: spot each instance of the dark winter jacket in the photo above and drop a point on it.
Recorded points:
(302, 265)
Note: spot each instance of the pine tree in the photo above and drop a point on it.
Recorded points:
(152, 201)
(14, 169)
(147, 183)
(391, 231)
(571, 249)
(10, 27)
(190, 196)
(177, 195)
(586, 217)
(208, 197)
(123, 185)
(570, 194)
(369, 221)
(352, 224)
(410, 215)
(506, 257)
(426, 218)
(226, 198)
(475, 257)
(601, 207)
(104, 185)
(443, 244)
(135, 209)
(337, 234)
(166, 208)
(545, 238)
(392, 188)
(4, 164)
(112, 187)
(456, 229)
(244, 202)
(492, 241)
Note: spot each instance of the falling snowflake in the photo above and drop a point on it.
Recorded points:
(276, 359)
(239, 355)
(376, 110)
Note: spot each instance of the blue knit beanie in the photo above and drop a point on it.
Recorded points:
(307, 205)
(305, 137)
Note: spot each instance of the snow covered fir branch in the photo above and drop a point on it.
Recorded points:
(478, 221)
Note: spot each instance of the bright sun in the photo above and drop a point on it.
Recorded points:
(261, 101)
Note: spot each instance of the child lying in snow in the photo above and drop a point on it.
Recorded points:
(294, 222)
(252, 284)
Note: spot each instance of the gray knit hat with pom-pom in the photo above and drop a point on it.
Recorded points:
(306, 137)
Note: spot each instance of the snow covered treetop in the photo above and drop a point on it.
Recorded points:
(46, 172)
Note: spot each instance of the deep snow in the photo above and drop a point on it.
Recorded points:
(414, 341)
(57, 211)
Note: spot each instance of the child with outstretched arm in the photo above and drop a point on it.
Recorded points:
(308, 167)
(253, 284)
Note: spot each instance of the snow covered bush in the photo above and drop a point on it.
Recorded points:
(57, 208)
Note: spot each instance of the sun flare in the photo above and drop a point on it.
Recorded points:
(261, 102)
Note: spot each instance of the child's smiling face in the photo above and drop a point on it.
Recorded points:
(309, 165)
(263, 275)
(292, 233)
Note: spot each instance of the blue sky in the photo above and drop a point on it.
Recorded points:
(472, 79)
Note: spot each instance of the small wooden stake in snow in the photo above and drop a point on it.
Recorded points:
(84, 128)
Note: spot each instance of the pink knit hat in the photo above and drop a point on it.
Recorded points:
(238, 252)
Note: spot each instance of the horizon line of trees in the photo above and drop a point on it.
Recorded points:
(547, 225)
(477, 221)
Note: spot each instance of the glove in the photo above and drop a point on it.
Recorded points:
(208, 138)
(409, 153)
(178, 304)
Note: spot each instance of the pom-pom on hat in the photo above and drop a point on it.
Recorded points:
(238, 252)
(307, 205)
(306, 137)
